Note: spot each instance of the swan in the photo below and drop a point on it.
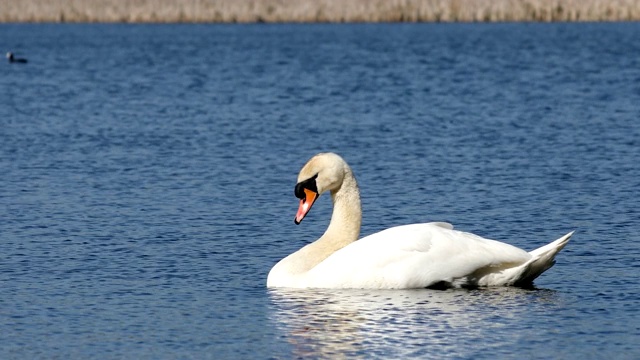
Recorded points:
(428, 255)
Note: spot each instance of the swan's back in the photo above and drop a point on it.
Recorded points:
(415, 256)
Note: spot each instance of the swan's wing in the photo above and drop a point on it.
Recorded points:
(414, 256)
(443, 225)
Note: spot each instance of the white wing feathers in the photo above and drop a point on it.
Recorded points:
(416, 256)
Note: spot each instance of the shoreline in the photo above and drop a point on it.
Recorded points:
(318, 11)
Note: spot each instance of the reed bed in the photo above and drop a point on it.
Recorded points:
(248, 11)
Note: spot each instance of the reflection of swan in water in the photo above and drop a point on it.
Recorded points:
(326, 323)
(402, 257)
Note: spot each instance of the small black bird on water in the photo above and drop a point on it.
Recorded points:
(13, 59)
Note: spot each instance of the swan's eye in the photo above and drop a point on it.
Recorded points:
(310, 184)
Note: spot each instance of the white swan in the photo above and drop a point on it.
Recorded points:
(402, 257)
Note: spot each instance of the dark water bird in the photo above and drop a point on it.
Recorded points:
(13, 59)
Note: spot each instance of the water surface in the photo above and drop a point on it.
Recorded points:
(147, 178)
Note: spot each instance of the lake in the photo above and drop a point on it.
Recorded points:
(147, 177)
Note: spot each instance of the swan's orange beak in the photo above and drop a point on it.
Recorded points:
(310, 197)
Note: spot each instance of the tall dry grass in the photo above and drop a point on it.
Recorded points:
(316, 10)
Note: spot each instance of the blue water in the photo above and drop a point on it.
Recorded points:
(147, 174)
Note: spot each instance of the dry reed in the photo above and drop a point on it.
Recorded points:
(227, 11)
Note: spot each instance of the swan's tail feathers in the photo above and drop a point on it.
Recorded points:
(541, 259)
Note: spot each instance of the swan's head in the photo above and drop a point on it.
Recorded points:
(9, 55)
(324, 172)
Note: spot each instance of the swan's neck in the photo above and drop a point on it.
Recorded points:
(346, 219)
(343, 229)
